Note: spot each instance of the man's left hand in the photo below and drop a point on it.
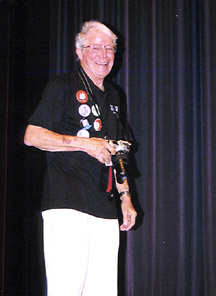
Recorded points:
(128, 212)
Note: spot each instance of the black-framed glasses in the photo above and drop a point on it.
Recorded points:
(96, 48)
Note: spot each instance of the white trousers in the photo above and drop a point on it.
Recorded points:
(81, 253)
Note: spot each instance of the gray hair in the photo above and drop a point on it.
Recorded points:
(93, 25)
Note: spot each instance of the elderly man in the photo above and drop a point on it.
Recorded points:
(73, 122)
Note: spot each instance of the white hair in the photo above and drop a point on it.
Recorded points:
(96, 26)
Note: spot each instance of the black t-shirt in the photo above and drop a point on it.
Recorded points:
(74, 179)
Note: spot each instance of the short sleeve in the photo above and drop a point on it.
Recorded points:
(50, 109)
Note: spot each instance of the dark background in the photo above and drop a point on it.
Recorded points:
(168, 68)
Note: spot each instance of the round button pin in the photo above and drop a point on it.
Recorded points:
(84, 110)
(97, 124)
(82, 96)
(83, 133)
(95, 110)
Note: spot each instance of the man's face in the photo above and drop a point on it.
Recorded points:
(96, 64)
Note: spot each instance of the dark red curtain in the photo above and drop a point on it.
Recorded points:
(166, 73)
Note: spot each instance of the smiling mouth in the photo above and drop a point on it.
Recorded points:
(101, 64)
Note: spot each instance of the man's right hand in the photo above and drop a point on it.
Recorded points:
(100, 149)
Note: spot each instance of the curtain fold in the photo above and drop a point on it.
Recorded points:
(208, 110)
(166, 73)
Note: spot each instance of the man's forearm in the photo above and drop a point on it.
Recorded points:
(47, 140)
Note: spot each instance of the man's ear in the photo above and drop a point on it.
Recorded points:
(79, 53)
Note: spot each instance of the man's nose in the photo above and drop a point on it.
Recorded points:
(103, 51)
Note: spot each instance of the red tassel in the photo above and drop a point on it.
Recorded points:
(109, 186)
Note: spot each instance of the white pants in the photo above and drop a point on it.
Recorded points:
(81, 253)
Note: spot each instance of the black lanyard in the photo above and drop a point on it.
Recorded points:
(93, 99)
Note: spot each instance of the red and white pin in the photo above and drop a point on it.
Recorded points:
(82, 96)
(97, 124)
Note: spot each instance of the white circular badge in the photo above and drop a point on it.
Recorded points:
(95, 110)
(84, 110)
(83, 133)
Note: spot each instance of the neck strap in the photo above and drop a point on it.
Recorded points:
(92, 97)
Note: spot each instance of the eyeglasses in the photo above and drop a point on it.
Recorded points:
(96, 48)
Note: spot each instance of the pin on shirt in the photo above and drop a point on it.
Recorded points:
(85, 124)
(84, 110)
(82, 96)
(95, 110)
(97, 124)
(83, 133)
